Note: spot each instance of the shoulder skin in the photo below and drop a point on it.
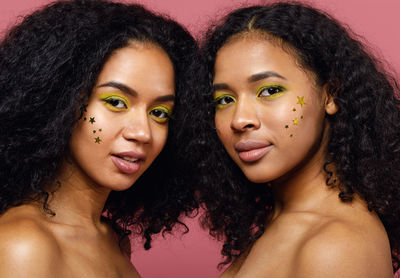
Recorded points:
(27, 249)
(339, 250)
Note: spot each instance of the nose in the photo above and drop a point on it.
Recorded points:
(137, 128)
(245, 116)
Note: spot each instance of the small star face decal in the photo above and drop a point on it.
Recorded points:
(84, 107)
(97, 140)
(295, 121)
(92, 120)
(301, 101)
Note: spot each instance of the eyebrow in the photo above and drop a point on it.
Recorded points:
(253, 78)
(220, 86)
(132, 92)
(262, 75)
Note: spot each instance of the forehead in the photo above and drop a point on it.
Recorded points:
(139, 62)
(249, 54)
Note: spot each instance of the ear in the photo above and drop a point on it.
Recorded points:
(330, 105)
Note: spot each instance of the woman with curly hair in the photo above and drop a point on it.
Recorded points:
(303, 174)
(88, 90)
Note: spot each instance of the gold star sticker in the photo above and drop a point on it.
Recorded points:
(92, 120)
(97, 140)
(301, 101)
(295, 121)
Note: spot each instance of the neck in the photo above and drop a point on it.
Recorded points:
(79, 201)
(304, 188)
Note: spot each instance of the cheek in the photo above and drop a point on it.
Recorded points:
(97, 128)
(160, 135)
(222, 125)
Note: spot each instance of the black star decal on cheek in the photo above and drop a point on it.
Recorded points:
(83, 107)
(97, 140)
(92, 120)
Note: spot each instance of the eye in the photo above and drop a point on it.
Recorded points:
(270, 91)
(223, 100)
(116, 102)
(160, 114)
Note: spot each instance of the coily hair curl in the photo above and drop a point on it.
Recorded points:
(364, 142)
(49, 64)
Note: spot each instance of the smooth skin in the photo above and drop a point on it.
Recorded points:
(130, 103)
(259, 90)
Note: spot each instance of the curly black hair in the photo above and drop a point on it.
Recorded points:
(49, 64)
(364, 142)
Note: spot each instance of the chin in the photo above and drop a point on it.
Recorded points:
(119, 183)
(257, 177)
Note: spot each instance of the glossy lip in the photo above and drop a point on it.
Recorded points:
(251, 151)
(127, 167)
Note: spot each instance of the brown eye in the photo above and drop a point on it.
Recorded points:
(159, 113)
(224, 100)
(269, 91)
(117, 103)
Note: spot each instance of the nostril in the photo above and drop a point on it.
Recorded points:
(249, 126)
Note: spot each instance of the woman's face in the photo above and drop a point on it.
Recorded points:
(270, 114)
(125, 125)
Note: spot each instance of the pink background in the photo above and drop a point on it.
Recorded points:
(196, 255)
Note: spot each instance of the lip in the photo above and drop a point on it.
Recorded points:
(251, 151)
(128, 167)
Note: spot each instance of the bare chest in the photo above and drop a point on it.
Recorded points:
(95, 259)
(274, 254)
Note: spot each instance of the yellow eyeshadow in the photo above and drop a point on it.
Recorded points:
(218, 97)
(167, 110)
(107, 97)
(278, 94)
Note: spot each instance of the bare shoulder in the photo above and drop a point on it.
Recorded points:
(343, 249)
(27, 248)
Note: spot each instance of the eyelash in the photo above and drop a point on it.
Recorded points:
(277, 90)
(112, 102)
(164, 111)
(219, 99)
